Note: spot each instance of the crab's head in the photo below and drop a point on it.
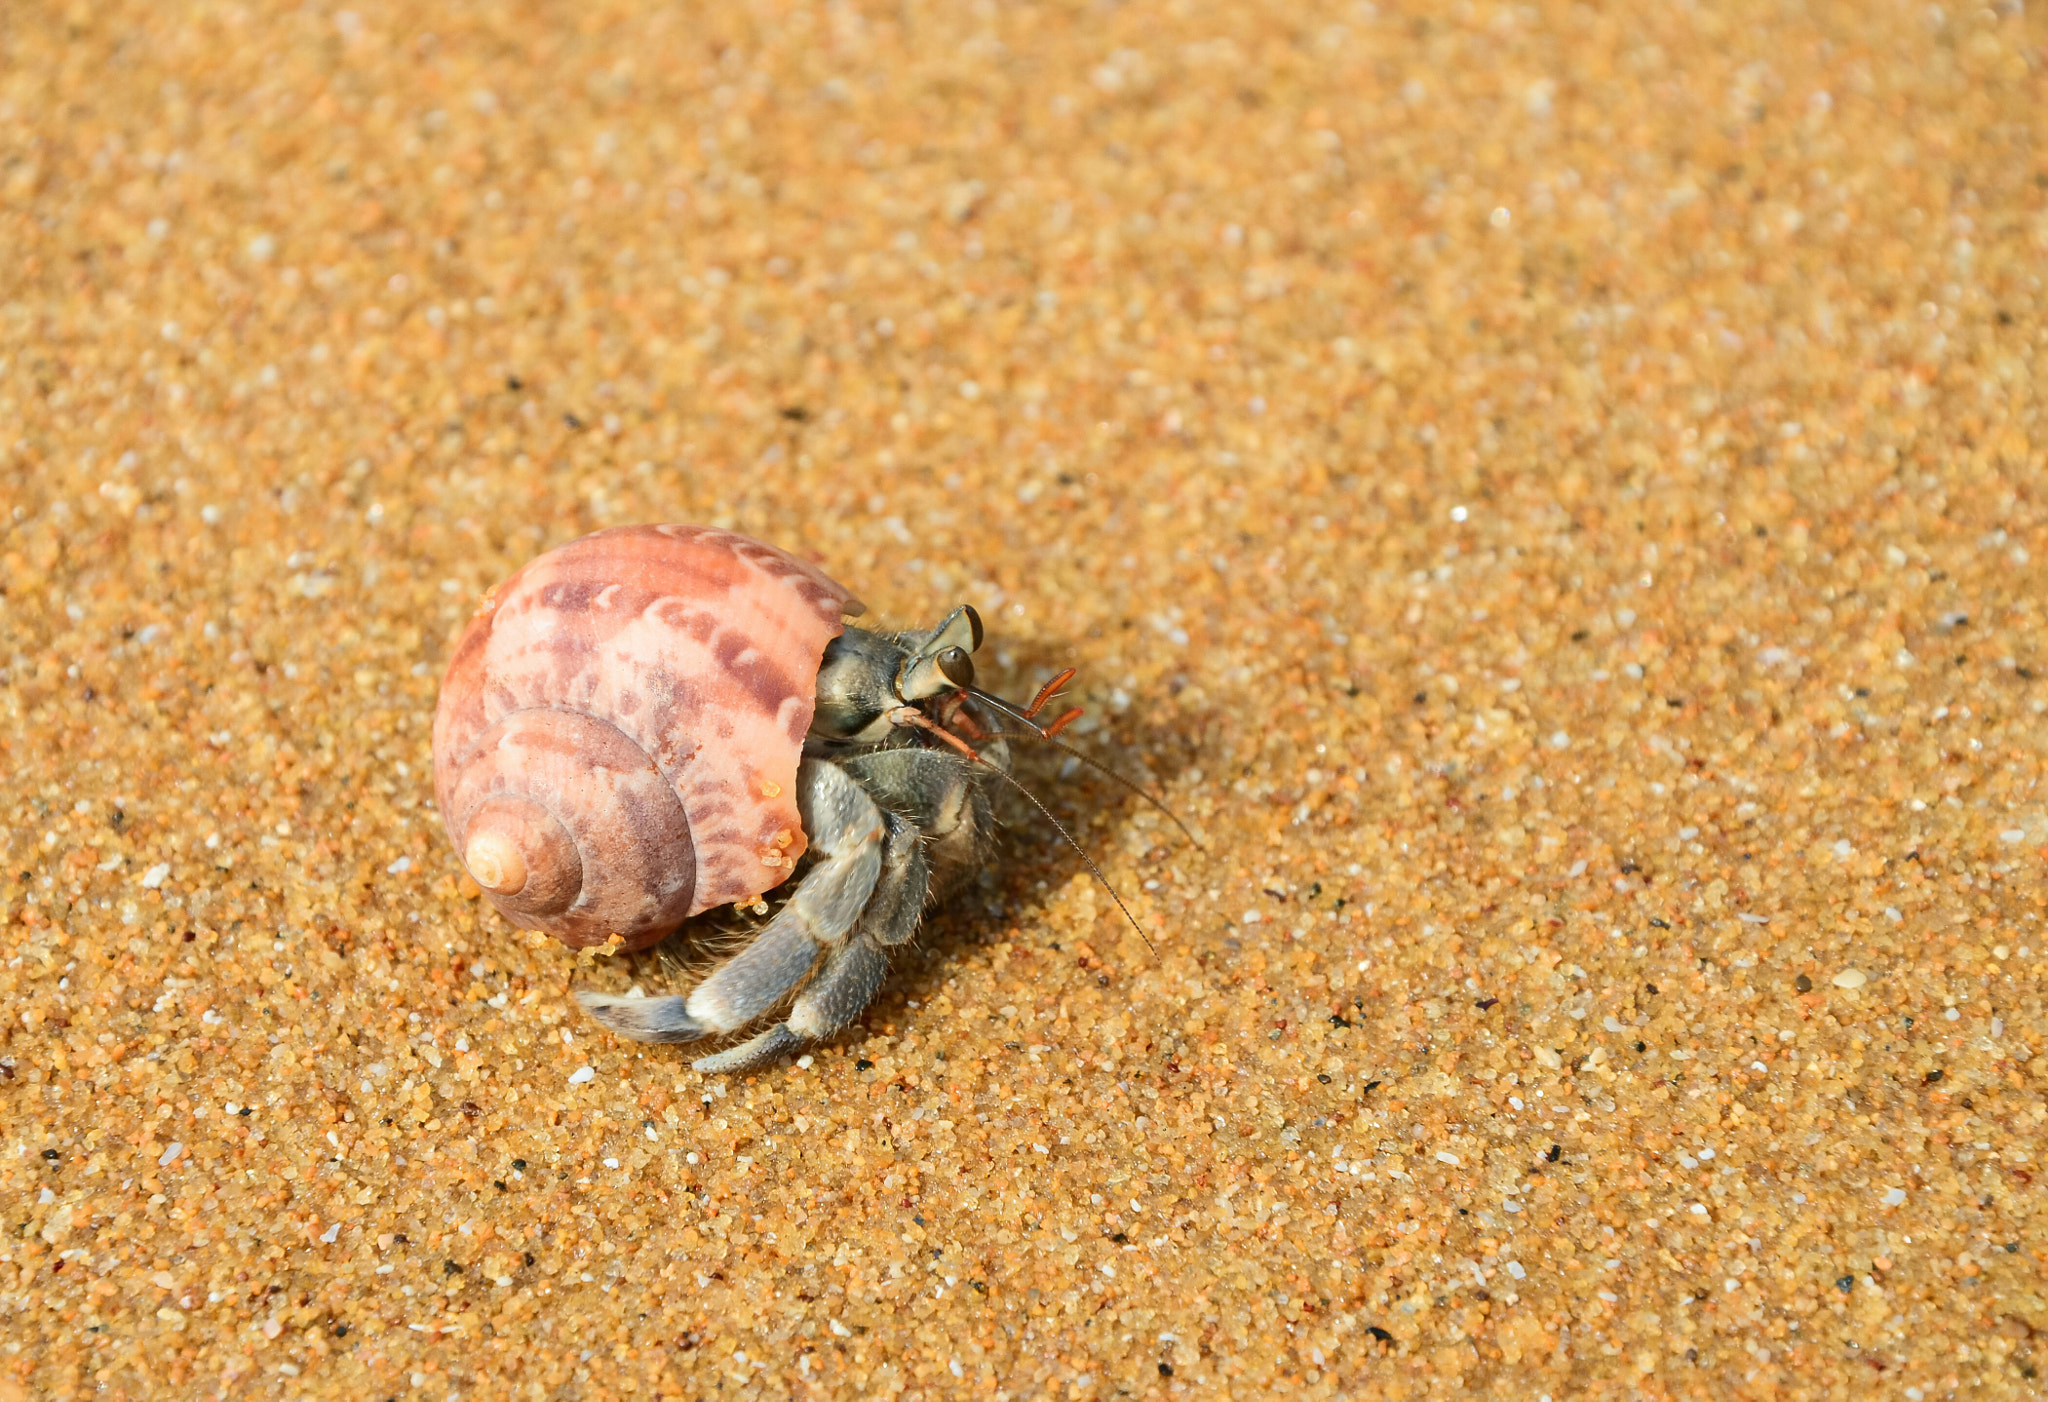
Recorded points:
(867, 679)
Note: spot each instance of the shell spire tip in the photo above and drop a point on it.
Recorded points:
(495, 863)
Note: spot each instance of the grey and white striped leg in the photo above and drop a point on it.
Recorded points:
(897, 907)
(929, 787)
(752, 1054)
(852, 972)
(945, 795)
(851, 976)
(848, 831)
(851, 979)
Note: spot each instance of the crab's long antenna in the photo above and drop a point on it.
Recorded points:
(1083, 851)
(1008, 708)
(1049, 735)
(1100, 768)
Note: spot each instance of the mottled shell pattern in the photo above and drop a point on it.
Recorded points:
(618, 734)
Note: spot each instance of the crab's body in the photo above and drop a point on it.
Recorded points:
(652, 721)
(894, 823)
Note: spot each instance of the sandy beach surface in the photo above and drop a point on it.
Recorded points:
(1553, 494)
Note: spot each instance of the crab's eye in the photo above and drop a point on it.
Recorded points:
(956, 666)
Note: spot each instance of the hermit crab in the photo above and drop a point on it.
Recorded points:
(654, 721)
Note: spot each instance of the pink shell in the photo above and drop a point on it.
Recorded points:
(686, 659)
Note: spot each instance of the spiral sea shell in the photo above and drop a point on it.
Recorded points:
(617, 739)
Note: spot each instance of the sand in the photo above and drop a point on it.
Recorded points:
(1552, 494)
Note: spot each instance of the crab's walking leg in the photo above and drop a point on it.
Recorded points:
(853, 971)
(897, 906)
(848, 831)
(852, 975)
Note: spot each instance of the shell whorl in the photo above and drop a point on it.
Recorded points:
(619, 729)
(599, 838)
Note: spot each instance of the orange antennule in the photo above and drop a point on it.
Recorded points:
(1047, 692)
(1062, 723)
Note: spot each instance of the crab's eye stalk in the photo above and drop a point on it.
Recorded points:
(956, 666)
(941, 661)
